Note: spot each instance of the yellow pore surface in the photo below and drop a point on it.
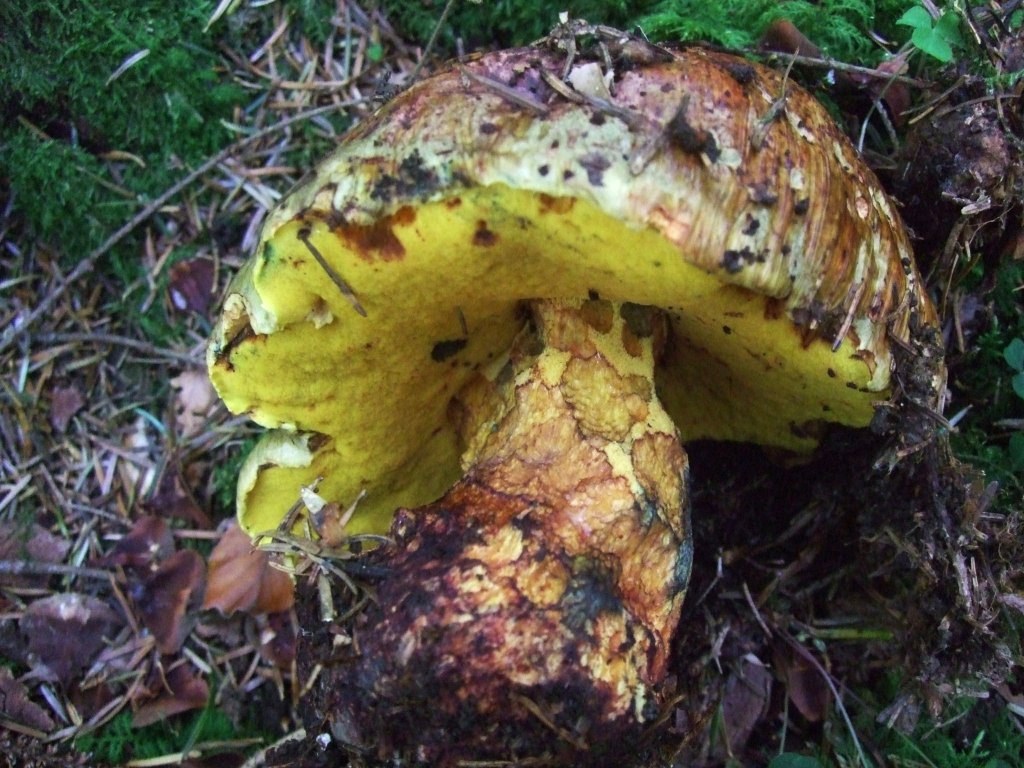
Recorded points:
(362, 401)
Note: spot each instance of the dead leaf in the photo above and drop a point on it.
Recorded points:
(164, 598)
(277, 639)
(15, 704)
(50, 622)
(65, 402)
(194, 400)
(180, 690)
(191, 285)
(805, 685)
(148, 542)
(174, 499)
(242, 579)
(745, 701)
(32, 542)
(782, 36)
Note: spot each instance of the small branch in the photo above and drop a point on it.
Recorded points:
(33, 568)
(121, 341)
(839, 66)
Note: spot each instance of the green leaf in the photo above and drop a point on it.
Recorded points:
(793, 760)
(1018, 384)
(948, 28)
(1014, 354)
(916, 17)
(932, 43)
(1016, 450)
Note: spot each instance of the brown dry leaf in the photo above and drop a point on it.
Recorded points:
(49, 623)
(65, 402)
(806, 688)
(782, 36)
(191, 285)
(194, 400)
(745, 702)
(242, 579)
(164, 598)
(277, 639)
(173, 499)
(148, 542)
(34, 543)
(15, 704)
(180, 690)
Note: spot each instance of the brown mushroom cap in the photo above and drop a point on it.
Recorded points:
(391, 277)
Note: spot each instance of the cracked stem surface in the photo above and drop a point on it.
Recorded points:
(533, 605)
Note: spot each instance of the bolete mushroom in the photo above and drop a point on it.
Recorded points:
(499, 307)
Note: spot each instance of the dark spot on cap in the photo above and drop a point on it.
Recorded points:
(488, 128)
(595, 165)
(483, 236)
(544, 169)
(801, 206)
(593, 295)
(597, 119)
(453, 202)
(762, 195)
(751, 226)
(446, 349)
(567, 174)
(741, 73)
(667, 87)
(831, 373)
(414, 179)
(734, 260)
(726, 330)
(851, 385)
(690, 139)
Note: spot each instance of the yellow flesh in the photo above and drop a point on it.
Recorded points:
(369, 384)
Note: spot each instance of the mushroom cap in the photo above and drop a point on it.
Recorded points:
(393, 275)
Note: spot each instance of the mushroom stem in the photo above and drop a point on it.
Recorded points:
(530, 609)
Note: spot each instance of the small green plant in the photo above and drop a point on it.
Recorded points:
(1013, 353)
(118, 741)
(794, 760)
(935, 37)
(1014, 356)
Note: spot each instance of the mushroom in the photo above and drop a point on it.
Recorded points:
(499, 308)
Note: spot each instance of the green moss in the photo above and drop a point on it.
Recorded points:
(501, 23)
(117, 741)
(983, 378)
(225, 479)
(839, 27)
(64, 111)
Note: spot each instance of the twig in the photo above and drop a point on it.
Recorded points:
(337, 279)
(510, 94)
(430, 43)
(839, 66)
(113, 339)
(810, 658)
(86, 265)
(33, 568)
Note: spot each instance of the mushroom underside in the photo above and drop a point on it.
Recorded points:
(735, 366)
